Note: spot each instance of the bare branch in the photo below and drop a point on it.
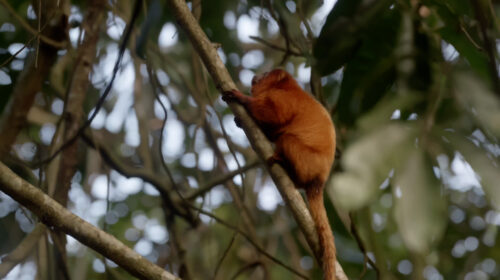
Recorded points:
(31, 80)
(22, 251)
(259, 142)
(54, 215)
(27, 26)
(220, 180)
(174, 203)
(76, 96)
(488, 42)
(251, 240)
(291, 51)
(102, 99)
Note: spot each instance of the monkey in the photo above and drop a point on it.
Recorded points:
(304, 138)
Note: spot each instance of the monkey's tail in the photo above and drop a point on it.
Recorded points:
(318, 212)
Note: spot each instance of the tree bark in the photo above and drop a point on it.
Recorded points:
(34, 74)
(57, 217)
(208, 53)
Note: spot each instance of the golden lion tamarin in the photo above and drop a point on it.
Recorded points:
(304, 135)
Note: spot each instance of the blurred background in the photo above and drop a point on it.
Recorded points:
(412, 86)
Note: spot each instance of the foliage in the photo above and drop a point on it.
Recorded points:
(412, 87)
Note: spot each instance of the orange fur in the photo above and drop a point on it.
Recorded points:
(305, 143)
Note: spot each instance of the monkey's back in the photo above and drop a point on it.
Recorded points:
(308, 140)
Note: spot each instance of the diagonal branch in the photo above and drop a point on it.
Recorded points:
(220, 180)
(251, 240)
(49, 41)
(261, 145)
(22, 251)
(489, 43)
(31, 79)
(56, 216)
(175, 203)
(100, 102)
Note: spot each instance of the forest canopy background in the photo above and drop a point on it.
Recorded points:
(412, 86)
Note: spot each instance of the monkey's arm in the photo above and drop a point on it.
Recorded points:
(264, 109)
(237, 96)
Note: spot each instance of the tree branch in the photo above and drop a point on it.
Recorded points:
(22, 251)
(166, 191)
(49, 41)
(220, 180)
(54, 215)
(489, 43)
(259, 142)
(31, 79)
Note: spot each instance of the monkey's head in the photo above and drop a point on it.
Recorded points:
(275, 79)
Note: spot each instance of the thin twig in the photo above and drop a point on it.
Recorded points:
(359, 241)
(225, 254)
(106, 92)
(23, 250)
(147, 175)
(18, 52)
(257, 139)
(220, 180)
(249, 239)
(469, 37)
(275, 47)
(488, 42)
(54, 215)
(245, 268)
(38, 31)
(27, 26)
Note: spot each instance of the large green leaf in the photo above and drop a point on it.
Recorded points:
(420, 209)
(464, 39)
(213, 24)
(367, 164)
(151, 22)
(476, 99)
(370, 73)
(345, 27)
(338, 38)
(309, 6)
(383, 111)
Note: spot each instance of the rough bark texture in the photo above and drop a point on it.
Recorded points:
(74, 114)
(57, 217)
(259, 142)
(34, 74)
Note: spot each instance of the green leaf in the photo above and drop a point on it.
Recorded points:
(153, 19)
(457, 7)
(292, 23)
(420, 209)
(308, 7)
(213, 24)
(342, 34)
(370, 73)
(478, 101)
(485, 165)
(463, 39)
(383, 110)
(367, 164)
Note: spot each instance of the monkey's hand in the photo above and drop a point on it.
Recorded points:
(275, 158)
(230, 96)
(237, 121)
(235, 96)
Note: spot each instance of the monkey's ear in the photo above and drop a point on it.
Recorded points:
(282, 75)
(279, 74)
